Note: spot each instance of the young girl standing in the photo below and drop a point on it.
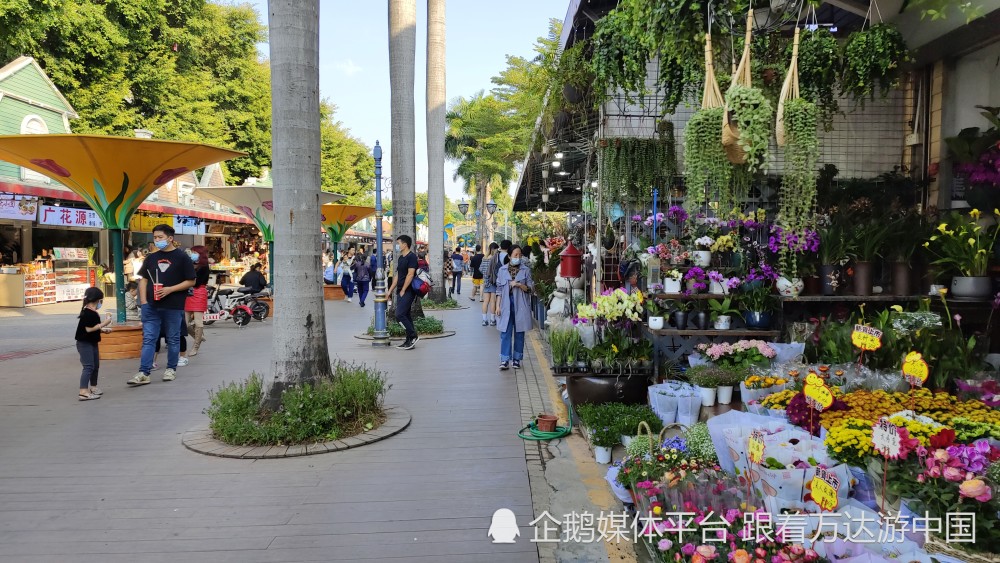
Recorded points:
(88, 335)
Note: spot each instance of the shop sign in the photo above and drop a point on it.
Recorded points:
(825, 485)
(866, 338)
(71, 292)
(74, 254)
(68, 217)
(915, 369)
(818, 394)
(885, 438)
(19, 207)
(755, 447)
(143, 223)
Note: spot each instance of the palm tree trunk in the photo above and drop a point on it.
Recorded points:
(299, 342)
(435, 139)
(402, 57)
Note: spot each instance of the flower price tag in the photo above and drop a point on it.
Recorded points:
(885, 438)
(915, 369)
(818, 395)
(825, 485)
(755, 447)
(866, 338)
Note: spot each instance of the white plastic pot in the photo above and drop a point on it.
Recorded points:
(722, 322)
(626, 439)
(725, 394)
(671, 285)
(655, 323)
(602, 454)
(701, 258)
(718, 288)
(707, 396)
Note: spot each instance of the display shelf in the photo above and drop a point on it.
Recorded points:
(851, 298)
(732, 332)
(39, 289)
(693, 296)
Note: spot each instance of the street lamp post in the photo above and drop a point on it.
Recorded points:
(491, 208)
(381, 333)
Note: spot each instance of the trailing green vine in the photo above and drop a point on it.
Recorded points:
(754, 115)
(631, 167)
(798, 185)
(619, 58)
(819, 67)
(705, 164)
(873, 60)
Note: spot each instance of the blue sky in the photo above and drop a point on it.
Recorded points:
(354, 60)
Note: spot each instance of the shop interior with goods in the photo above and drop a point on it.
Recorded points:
(775, 290)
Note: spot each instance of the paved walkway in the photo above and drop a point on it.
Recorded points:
(109, 481)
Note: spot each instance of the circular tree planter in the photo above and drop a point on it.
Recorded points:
(124, 342)
(200, 440)
(435, 336)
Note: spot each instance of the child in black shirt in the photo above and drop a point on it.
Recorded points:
(88, 335)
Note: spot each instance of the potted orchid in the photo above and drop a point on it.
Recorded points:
(702, 256)
(722, 312)
(657, 309)
(756, 296)
(672, 281)
(719, 284)
(696, 280)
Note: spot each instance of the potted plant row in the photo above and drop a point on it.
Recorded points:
(609, 424)
(715, 383)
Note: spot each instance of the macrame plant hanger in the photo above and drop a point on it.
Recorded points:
(730, 132)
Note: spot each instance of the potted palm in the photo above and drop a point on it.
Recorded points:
(707, 378)
(962, 246)
(722, 312)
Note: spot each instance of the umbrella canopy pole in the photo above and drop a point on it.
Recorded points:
(270, 265)
(118, 259)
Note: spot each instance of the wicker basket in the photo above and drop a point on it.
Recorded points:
(730, 132)
(938, 545)
(789, 91)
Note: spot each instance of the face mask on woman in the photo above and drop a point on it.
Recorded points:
(194, 256)
(515, 261)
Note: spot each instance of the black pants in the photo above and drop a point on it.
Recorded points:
(403, 305)
(456, 282)
(90, 359)
(184, 340)
(362, 290)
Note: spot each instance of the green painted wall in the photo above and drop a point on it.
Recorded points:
(28, 83)
(12, 113)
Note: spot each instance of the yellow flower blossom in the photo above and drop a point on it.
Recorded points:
(975, 213)
(943, 227)
(943, 291)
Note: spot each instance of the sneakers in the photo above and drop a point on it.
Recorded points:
(404, 345)
(182, 361)
(517, 364)
(493, 323)
(504, 366)
(348, 299)
(486, 323)
(169, 375)
(409, 344)
(362, 303)
(139, 379)
(96, 391)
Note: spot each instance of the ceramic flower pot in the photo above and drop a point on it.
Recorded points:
(718, 288)
(722, 322)
(691, 287)
(962, 286)
(707, 396)
(656, 323)
(757, 320)
(701, 258)
(702, 320)
(789, 287)
(830, 275)
(725, 394)
(602, 454)
(671, 285)
(680, 319)
(900, 278)
(863, 278)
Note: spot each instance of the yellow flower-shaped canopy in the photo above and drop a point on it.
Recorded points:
(255, 202)
(113, 175)
(338, 218)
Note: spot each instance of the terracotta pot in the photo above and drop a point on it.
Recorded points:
(863, 278)
(546, 423)
(900, 278)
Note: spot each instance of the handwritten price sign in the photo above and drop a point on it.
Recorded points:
(755, 447)
(915, 369)
(885, 438)
(866, 338)
(818, 395)
(825, 486)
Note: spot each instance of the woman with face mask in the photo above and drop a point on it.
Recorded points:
(513, 307)
(197, 300)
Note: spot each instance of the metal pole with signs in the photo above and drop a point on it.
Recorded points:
(381, 334)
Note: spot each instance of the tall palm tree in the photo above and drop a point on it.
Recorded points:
(435, 137)
(299, 342)
(402, 57)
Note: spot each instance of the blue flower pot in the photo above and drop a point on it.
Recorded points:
(757, 320)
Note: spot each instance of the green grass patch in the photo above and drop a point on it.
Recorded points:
(349, 403)
(426, 325)
(446, 304)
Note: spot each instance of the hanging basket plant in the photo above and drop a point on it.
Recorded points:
(819, 66)
(631, 167)
(798, 185)
(706, 166)
(619, 58)
(872, 62)
(752, 116)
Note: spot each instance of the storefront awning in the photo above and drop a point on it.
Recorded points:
(56, 192)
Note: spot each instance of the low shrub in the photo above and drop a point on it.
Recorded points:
(349, 403)
(426, 325)
(446, 304)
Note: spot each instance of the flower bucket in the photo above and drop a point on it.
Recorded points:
(626, 439)
(602, 455)
(757, 320)
(718, 288)
(725, 394)
(666, 407)
(688, 409)
(656, 323)
(707, 396)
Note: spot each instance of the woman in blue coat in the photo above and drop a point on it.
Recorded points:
(513, 307)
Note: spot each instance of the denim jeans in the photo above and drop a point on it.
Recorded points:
(505, 341)
(456, 282)
(153, 321)
(362, 287)
(90, 359)
(345, 282)
(403, 305)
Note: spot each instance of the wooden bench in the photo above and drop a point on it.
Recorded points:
(333, 293)
(124, 342)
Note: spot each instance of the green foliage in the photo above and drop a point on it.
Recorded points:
(873, 60)
(754, 116)
(608, 421)
(798, 186)
(819, 68)
(705, 163)
(424, 325)
(633, 166)
(699, 443)
(446, 304)
(349, 403)
(347, 166)
(619, 58)
(522, 86)
(724, 306)
(628, 417)
(566, 346)
(706, 375)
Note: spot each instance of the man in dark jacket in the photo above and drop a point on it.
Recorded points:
(361, 271)
(254, 279)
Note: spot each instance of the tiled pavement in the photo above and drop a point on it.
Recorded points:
(109, 480)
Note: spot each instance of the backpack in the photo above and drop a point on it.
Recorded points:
(491, 271)
(422, 282)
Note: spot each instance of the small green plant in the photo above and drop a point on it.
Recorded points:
(819, 69)
(425, 325)
(873, 61)
(349, 403)
(699, 443)
(721, 307)
(798, 185)
(446, 304)
(565, 344)
(706, 376)
(601, 424)
(628, 417)
(706, 167)
(754, 116)
(639, 446)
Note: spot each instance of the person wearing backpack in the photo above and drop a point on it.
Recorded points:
(490, 289)
(401, 292)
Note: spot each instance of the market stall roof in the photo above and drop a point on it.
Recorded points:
(256, 202)
(337, 218)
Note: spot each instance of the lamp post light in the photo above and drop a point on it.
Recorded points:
(381, 333)
(463, 208)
